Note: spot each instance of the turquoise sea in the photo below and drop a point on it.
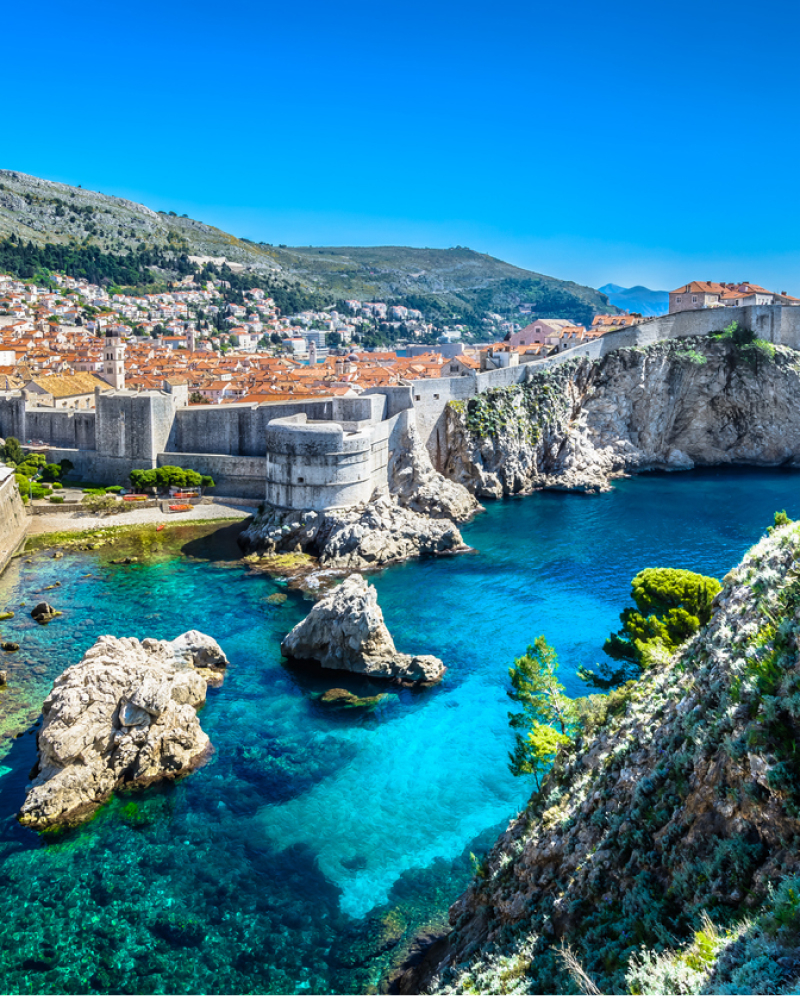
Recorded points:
(313, 842)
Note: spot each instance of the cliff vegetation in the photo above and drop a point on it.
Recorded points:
(662, 853)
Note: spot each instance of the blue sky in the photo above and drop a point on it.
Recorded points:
(627, 142)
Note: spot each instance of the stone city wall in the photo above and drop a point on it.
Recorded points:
(130, 430)
(13, 518)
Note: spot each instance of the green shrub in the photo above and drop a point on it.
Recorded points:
(51, 472)
(57, 499)
(38, 492)
(115, 489)
(102, 503)
(169, 476)
(94, 491)
(11, 451)
(780, 519)
(693, 357)
(141, 479)
(671, 605)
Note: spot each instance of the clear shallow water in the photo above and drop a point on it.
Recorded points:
(312, 841)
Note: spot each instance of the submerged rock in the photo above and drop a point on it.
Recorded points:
(345, 631)
(3, 678)
(125, 714)
(9, 646)
(340, 698)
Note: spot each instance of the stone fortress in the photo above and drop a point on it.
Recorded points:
(318, 454)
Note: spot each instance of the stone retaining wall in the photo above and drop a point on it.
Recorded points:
(13, 520)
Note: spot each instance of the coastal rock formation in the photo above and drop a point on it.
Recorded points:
(419, 516)
(345, 631)
(372, 535)
(125, 714)
(670, 406)
(679, 802)
(420, 488)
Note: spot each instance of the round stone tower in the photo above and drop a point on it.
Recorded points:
(114, 360)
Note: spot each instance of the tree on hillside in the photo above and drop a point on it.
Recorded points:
(670, 606)
(547, 713)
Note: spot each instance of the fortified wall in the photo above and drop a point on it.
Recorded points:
(319, 453)
(13, 519)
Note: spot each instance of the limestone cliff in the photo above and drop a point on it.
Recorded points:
(664, 847)
(669, 406)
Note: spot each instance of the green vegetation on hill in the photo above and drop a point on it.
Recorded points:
(117, 242)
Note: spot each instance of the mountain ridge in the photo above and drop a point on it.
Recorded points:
(638, 298)
(445, 284)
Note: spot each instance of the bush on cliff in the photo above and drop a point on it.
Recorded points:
(751, 348)
(671, 605)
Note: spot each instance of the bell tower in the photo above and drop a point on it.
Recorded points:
(113, 360)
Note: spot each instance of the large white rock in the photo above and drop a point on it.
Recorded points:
(345, 631)
(126, 713)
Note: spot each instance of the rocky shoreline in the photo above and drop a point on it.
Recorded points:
(679, 804)
(670, 406)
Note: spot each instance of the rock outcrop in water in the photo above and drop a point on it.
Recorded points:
(669, 406)
(676, 816)
(126, 714)
(345, 631)
(419, 516)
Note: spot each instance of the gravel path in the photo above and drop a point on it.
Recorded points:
(77, 521)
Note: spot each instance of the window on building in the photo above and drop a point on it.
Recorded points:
(678, 300)
(301, 480)
(694, 299)
(436, 397)
(417, 397)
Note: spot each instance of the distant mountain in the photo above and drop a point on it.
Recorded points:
(97, 234)
(638, 298)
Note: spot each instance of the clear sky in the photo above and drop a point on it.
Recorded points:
(644, 142)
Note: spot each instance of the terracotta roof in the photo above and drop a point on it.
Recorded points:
(70, 385)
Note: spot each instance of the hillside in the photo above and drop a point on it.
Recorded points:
(664, 846)
(445, 284)
(638, 299)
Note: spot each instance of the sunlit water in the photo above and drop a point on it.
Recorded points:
(300, 854)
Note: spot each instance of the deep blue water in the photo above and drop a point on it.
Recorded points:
(299, 854)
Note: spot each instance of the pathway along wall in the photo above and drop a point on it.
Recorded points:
(13, 517)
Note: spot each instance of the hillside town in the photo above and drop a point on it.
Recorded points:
(52, 341)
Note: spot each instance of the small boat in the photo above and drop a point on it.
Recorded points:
(159, 528)
(134, 497)
(180, 508)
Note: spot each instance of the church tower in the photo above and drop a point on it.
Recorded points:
(113, 360)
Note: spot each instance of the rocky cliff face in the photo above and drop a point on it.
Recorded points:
(664, 847)
(345, 631)
(670, 406)
(125, 714)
